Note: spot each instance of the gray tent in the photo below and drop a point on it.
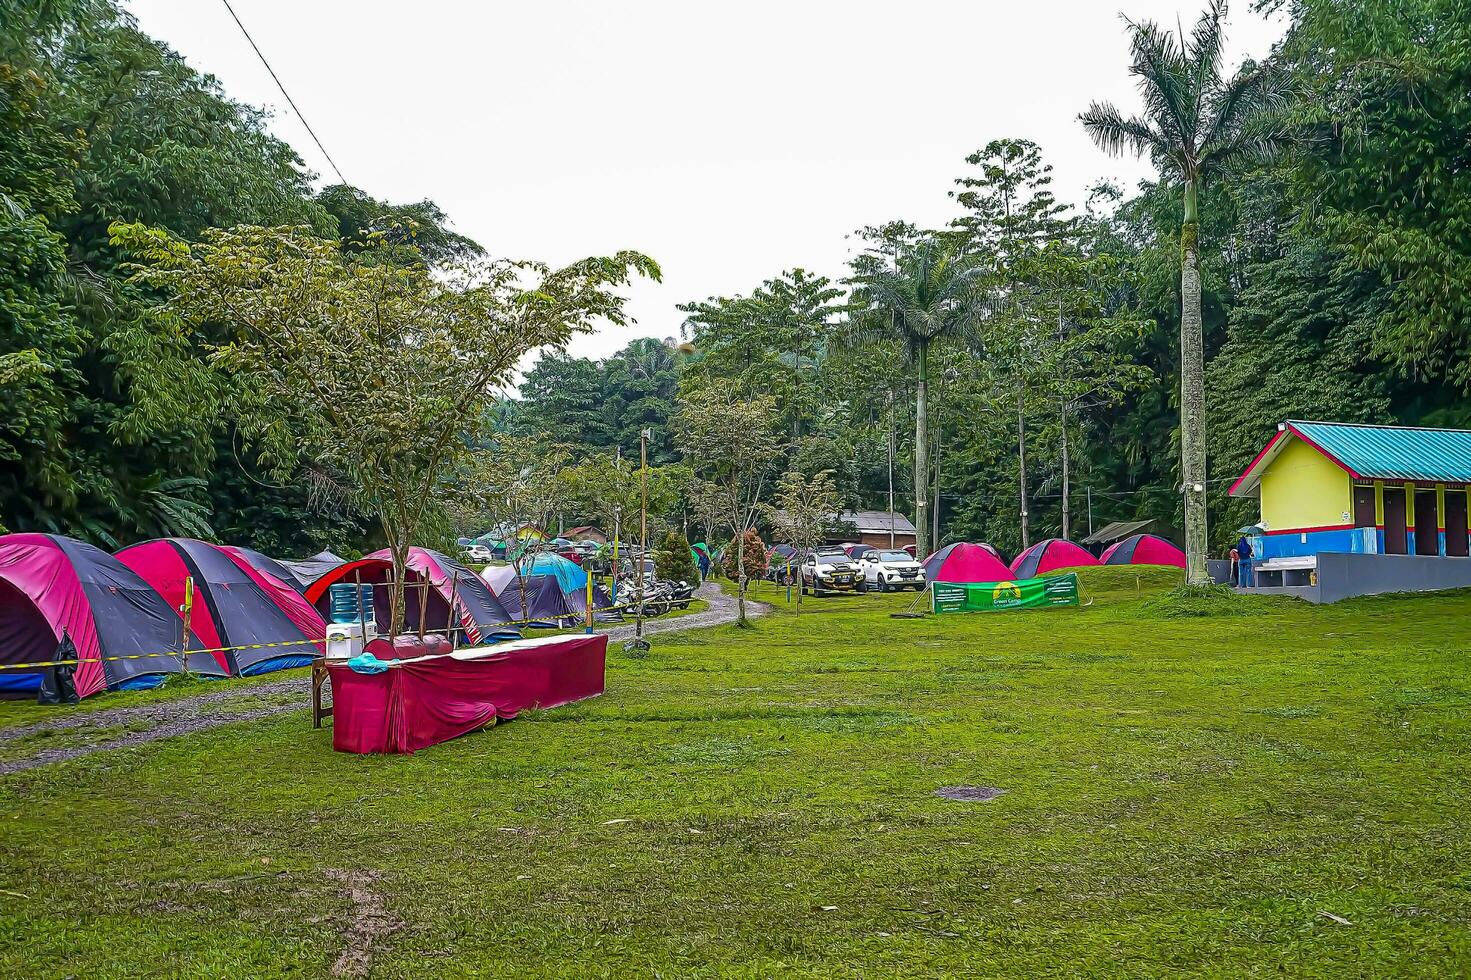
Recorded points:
(308, 570)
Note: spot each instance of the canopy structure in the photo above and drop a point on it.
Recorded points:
(535, 600)
(781, 551)
(965, 562)
(1118, 531)
(53, 587)
(268, 565)
(452, 587)
(308, 570)
(269, 623)
(1050, 555)
(1143, 549)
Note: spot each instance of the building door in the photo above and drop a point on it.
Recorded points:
(1455, 523)
(1427, 523)
(1364, 507)
(1395, 542)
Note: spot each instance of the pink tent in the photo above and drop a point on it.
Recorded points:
(125, 634)
(452, 586)
(1143, 549)
(1050, 555)
(269, 624)
(965, 562)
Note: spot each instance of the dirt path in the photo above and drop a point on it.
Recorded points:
(123, 727)
(722, 610)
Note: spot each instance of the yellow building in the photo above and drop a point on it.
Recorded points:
(1334, 487)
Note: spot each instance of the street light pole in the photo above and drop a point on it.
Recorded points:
(639, 643)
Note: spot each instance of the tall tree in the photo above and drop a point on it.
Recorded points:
(730, 439)
(1195, 125)
(391, 365)
(802, 511)
(919, 294)
(1384, 115)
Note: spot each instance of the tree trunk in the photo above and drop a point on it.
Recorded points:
(1066, 482)
(1192, 394)
(1021, 464)
(921, 454)
(399, 550)
(741, 577)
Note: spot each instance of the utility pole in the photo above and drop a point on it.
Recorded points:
(638, 642)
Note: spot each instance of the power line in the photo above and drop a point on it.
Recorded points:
(289, 99)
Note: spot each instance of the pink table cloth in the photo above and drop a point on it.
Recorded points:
(427, 700)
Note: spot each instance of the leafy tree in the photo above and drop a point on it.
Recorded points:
(803, 510)
(608, 490)
(566, 396)
(1011, 217)
(405, 233)
(1384, 115)
(731, 442)
(771, 341)
(1196, 125)
(390, 365)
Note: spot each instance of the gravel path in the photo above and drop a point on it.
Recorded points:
(181, 716)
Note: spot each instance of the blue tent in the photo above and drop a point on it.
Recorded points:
(570, 576)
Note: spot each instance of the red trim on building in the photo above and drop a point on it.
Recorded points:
(1310, 530)
(1336, 461)
(1249, 466)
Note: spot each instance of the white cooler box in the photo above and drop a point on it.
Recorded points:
(345, 640)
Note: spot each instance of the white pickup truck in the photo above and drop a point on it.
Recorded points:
(883, 569)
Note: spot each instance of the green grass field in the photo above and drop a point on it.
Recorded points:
(1223, 788)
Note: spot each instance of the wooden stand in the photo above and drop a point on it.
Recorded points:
(319, 677)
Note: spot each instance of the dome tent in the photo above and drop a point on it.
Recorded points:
(308, 570)
(53, 586)
(235, 604)
(1050, 555)
(270, 566)
(1143, 549)
(536, 600)
(451, 586)
(570, 576)
(965, 562)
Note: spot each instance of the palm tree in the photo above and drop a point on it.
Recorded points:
(918, 293)
(1195, 125)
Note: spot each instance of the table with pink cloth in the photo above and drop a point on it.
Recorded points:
(426, 700)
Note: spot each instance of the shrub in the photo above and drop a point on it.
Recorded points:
(755, 556)
(673, 560)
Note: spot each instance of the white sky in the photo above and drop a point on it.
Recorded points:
(729, 141)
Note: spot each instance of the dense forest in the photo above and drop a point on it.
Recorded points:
(1333, 287)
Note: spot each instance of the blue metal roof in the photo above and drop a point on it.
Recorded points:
(1389, 452)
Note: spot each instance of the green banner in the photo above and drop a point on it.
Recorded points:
(1027, 593)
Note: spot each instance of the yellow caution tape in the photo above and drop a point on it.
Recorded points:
(280, 643)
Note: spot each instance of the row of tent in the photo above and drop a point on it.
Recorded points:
(965, 562)
(122, 615)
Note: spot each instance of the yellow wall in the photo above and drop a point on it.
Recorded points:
(1303, 488)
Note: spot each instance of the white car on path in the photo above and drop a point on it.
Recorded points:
(884, 569)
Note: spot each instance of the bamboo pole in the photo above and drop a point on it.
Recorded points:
(423, 603)
(452, 624)
(357, 583)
